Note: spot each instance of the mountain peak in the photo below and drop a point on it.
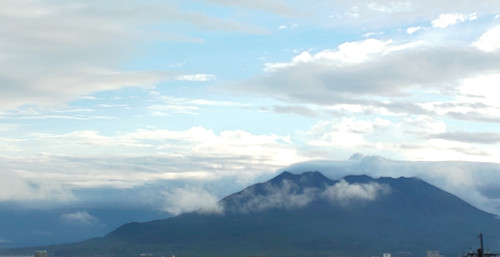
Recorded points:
(359, 179)
(357, 156)
(305, 179)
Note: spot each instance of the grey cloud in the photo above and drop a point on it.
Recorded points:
(471, 151)
(296, 109)
(474, 116)
(475, 105)
(16, 187)
(403, 107)
(275, 6)
(389, 75)
(53, 52)
(467, 137)
(137, 12)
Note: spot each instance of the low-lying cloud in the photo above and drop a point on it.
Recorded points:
(288, 195)
(80, 218)
(343, 192)
(181, 200)
(17, 186)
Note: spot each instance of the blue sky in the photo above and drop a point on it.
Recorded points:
(124, 93)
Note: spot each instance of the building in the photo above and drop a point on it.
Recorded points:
(387, 255)
(40, 253)
(433, 254)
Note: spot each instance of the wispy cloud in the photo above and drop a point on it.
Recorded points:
(275, 6)
(379, 13)
(53, 53)
(197, 77)
(80, 218)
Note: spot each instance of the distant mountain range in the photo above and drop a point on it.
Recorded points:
(308, 215)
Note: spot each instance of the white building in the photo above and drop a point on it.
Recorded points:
(433, 254)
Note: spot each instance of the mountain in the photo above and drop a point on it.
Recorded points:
(308, 215)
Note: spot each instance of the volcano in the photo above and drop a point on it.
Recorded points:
(308, 214)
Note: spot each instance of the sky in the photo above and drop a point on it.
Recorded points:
(204, 97)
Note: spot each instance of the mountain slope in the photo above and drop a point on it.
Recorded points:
(309, 215)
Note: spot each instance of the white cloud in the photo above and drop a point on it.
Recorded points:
(490, 40)
(389, 7)
(347, 53)
(181, 200)
(378, 13)
(412, 30)
(301, 58)
(168, 109)
(373, 33)
(18, 185)
(197, 77)
(165, 105)
(343, 192)
(80, 218)
(448, 19)
(482, 88)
